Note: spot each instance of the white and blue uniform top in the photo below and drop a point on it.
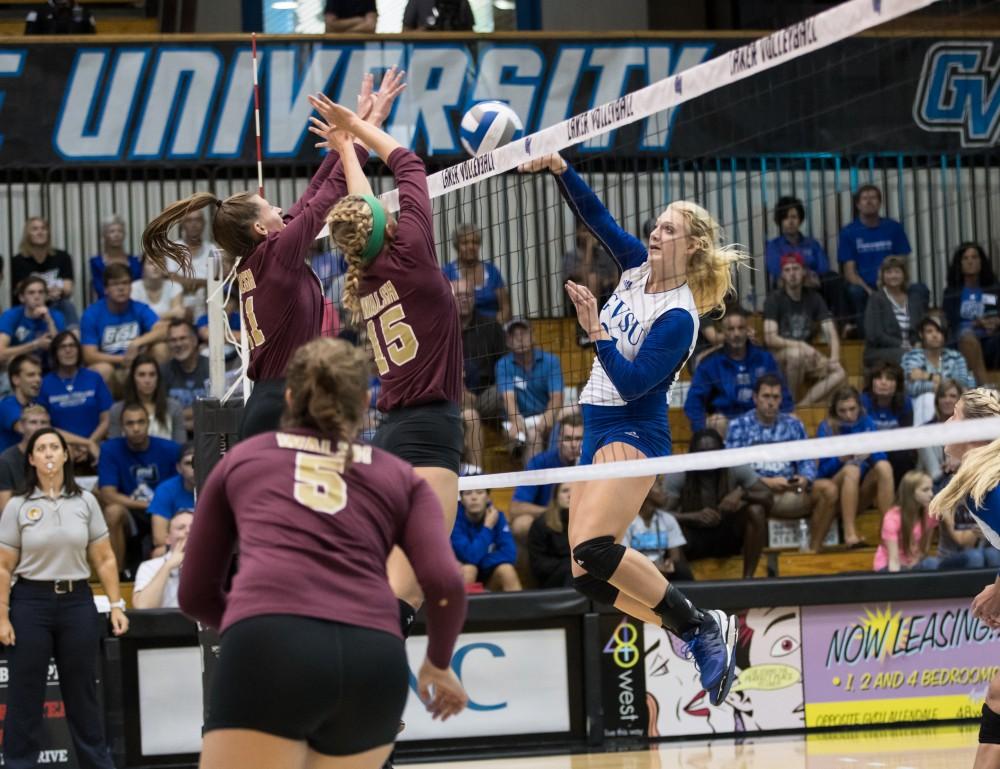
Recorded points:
(987, 516)
(652, 334)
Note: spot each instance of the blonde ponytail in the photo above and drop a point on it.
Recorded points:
(979, 472)
(351, 223)
(710, 267)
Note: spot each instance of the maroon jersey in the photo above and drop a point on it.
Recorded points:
(313, 539)
(282, 299)
(407, 304)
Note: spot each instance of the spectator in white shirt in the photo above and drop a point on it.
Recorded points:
(157, 579)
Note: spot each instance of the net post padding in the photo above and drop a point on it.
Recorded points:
(217, 427)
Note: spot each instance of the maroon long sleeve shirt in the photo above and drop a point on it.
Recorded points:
(313, 539)
(282, 299)
(407, 303)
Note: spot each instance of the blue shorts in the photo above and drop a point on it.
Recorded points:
(603, 425)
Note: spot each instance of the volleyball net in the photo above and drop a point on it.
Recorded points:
(633, 150)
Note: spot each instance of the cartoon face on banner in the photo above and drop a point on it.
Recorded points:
(767, 694)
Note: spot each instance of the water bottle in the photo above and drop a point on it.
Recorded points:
(803, 535)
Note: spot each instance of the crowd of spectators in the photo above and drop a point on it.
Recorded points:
(118, 377)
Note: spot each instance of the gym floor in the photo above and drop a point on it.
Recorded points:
(945, 747)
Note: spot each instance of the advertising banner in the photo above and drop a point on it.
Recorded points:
(623, 682)
(766, 696)
(56, 747)
(191, 103)
(891, 662)
(517, 682)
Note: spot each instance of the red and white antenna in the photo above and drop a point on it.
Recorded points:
(256, 115)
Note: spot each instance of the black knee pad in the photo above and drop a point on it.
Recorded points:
(599, 557)
(596, 589)
(989, 727)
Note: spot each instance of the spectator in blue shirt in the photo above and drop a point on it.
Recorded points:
(26, 380)
(492, 298)
(796, 491)
(530, 383)
(484, 545)
(722, 386)
(112, 252)
(174, 495)
(886, 403)
(789, 215)
(971, 307)
(863, 246)
(30, 326)
(860, 478)
(76, 398)
(116, 329)
(128, 473)
(529, 502)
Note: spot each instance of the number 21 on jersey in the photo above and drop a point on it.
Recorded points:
(398, 339)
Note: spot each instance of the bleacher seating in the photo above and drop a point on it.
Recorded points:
(114, 17)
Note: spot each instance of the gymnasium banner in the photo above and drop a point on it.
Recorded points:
(865, 664)
(881, 663)
(149, 103)
(767, 694)
(623, 684)
(57, 748)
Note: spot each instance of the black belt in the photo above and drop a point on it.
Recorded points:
(59, 586)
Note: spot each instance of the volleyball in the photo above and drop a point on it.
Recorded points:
(488, 125)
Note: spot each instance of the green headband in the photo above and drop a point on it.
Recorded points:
(377, 237)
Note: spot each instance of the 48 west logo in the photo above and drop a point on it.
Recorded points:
(959, 91)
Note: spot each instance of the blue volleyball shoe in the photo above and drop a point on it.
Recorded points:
(712, 646)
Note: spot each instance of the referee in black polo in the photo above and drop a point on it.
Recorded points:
(48, 533)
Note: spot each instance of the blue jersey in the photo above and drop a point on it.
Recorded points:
(112, 332)
(533, 387)
(542, 493)
(97, 267)
(868, 246)
(987, 515)
(487, 302)
(813, 255)
(171, 498)
(652, 334)
(75, 405)
(884, 417)
(128, 470)
(10, 415)
(748, 430)
(724, 385)
(21, 329)
(830, 466)
(479, 546)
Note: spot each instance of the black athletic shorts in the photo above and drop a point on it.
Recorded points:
(431, 435)
(339, 688)
(264, 408)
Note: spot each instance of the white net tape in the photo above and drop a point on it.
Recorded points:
(964, 431)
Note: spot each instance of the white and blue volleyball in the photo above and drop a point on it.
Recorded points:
(488, 125)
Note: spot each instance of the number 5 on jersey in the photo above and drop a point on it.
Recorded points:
(318, 484)
(398, 339)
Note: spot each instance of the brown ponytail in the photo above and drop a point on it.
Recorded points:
(351, 224)
(232, 228)
(328, 380)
